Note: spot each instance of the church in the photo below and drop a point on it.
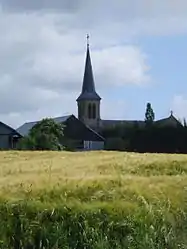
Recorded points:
(89, 102)
(84, 131)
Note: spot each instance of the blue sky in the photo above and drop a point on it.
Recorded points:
(167, 57)
(137, 47)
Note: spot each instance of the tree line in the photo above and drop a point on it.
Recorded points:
(148, 137)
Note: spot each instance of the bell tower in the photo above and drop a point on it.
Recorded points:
(89, 101)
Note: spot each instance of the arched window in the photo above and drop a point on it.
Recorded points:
(89, 111)
(93, 111)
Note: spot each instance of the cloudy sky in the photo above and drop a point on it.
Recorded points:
(138, 49)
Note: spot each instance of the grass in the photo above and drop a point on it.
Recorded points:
(93, 200)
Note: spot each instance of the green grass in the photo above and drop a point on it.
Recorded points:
(93, 200)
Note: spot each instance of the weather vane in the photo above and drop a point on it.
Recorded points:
(88, 40)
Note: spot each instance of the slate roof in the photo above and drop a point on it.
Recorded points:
(25, 128)
(13, 132)
(127, 123)
(170, 121)
(88, 87)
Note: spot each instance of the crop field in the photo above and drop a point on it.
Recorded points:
(96, 200)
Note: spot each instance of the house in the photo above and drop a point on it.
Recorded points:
(8, 137)
(76, 132)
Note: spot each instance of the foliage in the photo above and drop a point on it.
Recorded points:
(70, 144)
(65, 227)
(147, 138)
(115, 143)
(184, 122)
(92, 200)
(124, 200)
(149, 114)
(26, 143)
(45, 135)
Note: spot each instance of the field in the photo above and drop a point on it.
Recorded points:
(93, 200)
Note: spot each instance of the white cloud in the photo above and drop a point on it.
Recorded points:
(110, 106)
(41, 66)
(42, 50)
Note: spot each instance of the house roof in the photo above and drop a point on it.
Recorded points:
(88, 87)
(26, 127)
(12, 131)
(95, 132)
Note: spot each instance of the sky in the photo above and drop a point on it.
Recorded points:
(138, 50)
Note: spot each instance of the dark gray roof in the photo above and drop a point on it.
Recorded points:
(25, 128)
(13, 132)
(127, 123)
(88, 87)
(169, 121)
(62, 119)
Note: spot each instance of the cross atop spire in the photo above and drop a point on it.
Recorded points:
(87, 37)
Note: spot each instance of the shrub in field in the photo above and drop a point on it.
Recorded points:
(45, 135)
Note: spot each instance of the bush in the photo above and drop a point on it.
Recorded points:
(45, 135)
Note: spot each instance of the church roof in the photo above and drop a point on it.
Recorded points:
(127, 123)
(169, 121)
(88, 87)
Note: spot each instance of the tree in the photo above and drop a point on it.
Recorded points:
(149, 114)
(184, 122)
(45, 135)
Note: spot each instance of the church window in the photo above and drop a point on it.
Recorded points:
(93, 111)
(89, 111)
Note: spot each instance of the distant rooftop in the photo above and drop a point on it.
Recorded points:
(26, 127)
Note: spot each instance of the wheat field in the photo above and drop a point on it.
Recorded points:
(150, 190)
(93, 175)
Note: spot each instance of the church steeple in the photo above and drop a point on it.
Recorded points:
(89, 101)
(88, 86)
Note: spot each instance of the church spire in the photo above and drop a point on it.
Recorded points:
(88, 86)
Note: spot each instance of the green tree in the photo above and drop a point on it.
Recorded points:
(149, 114)
(45, 135)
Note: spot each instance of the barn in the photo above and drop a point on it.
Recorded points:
(77, 134)
(8, 137)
